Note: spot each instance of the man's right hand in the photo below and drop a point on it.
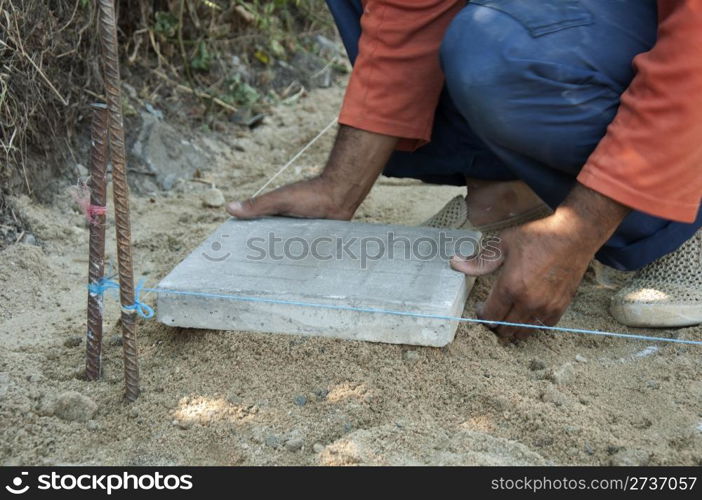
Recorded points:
(313, 198)
(357, 159)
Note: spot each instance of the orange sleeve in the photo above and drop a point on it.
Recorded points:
(651, 156)
(396, 81)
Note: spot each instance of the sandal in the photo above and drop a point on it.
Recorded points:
(455, 215)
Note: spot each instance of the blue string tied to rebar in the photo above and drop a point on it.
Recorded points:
(143, 310)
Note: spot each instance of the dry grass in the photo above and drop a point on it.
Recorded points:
(45, 49)
(49, 69)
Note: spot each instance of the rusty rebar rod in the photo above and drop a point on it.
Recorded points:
(108, 37)
(96, 258)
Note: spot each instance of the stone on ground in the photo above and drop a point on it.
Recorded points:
(74, 407)
(213, 198)
(276, 265)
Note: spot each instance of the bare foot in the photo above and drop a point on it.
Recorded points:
(493, 201)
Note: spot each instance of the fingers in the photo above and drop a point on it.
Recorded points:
(515, 316)
(496, 308)
(487, 261)
(312, 198)
(505, 306)
(273, 203)
(525, 333)
(521, 314)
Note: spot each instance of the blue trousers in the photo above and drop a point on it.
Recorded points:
(531, 86)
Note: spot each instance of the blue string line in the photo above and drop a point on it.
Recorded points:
(102, 286)
(142, 309)
(111, 284)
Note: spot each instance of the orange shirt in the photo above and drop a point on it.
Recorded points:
(651, 156)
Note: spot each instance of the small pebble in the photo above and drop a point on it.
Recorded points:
(630, 458)
(580, 358)
(73, 342)
(536, 365)
(272, 441)
(233, 398)
(79, 372)
(92, 425)
(183, 424)
(649, 351)
(652, 384)
(321, 393)
(411, 356)
(553, 395)
(294, 444)
(213, 198)
(563, 375)
(300, 400)
(318, 447)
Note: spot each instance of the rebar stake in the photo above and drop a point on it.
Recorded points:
(108, 37)
(96, 258)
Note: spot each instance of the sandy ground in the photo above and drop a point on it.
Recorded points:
(243, 398)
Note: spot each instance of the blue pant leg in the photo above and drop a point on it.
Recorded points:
(455, 150)
(347, 17)
(539, 81)
(454, 153)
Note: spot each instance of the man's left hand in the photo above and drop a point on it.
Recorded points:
(543, 262)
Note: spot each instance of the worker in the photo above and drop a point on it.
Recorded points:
(576, 126)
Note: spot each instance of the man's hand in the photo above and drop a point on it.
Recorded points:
(543, 262)
(354, 164)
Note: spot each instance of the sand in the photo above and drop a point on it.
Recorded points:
(237, 398)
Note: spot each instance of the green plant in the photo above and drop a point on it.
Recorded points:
(202, 58)
(194, 37)
(240, 93)
(165, 24)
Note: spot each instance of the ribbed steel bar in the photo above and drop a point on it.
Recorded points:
(108, 37)
(96, 258)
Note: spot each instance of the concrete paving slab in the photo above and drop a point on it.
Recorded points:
(323, 262)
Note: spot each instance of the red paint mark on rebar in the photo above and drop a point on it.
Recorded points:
(94, 211)
(81, 196)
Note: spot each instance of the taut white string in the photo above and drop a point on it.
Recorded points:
(297, 155)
